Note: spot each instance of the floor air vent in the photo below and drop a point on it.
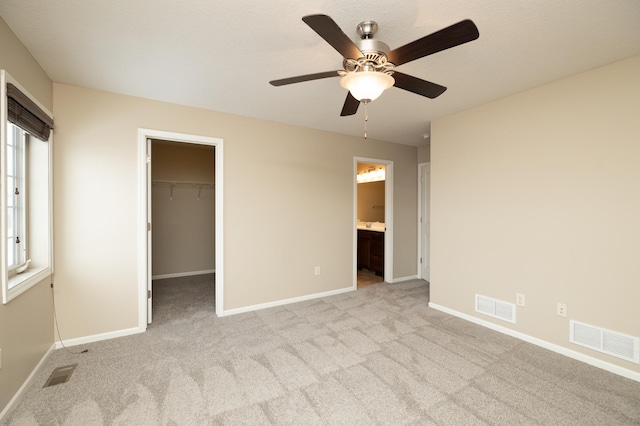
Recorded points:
(496, 308)
(605, 341)
(60, 375)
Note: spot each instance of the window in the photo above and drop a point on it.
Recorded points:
(17, 253)
(26, 214)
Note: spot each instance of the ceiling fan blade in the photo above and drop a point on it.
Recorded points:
(331, 32)
(301, 78)
(454, 35)
(350, 106)
(417, 85)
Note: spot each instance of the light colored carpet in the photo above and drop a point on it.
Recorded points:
(378, 355)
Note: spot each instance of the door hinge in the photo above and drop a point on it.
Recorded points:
(148, 294)
(148, 226)
(420, 260)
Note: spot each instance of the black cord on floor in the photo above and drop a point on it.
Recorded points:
(55, 318)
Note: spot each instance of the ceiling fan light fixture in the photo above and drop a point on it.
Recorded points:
(366, 86)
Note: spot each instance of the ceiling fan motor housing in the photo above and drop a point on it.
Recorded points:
(371, 45)
(367, 44)
(374, 51)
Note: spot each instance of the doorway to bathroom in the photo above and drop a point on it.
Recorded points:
(181, 220)
(373, 253)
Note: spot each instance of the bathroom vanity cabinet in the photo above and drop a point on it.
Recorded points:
(371, 251)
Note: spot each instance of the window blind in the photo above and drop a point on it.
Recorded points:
(23, 112)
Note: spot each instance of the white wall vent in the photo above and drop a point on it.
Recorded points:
(605, 341)
(496, 308)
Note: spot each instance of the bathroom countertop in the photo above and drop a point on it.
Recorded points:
(373, 228)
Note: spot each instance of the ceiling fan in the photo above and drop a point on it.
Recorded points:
(369, 65)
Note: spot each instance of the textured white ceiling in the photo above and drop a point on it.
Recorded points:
(221, 54)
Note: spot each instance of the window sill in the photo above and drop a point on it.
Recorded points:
(20, 283)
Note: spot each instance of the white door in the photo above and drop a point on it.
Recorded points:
(149, 258)
(425, 223)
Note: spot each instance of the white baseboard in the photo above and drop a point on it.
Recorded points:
(99, 337)
(402, 279)
(183, 274)
(13, 403)
(301, 298)
(612, 368)
(285, 301)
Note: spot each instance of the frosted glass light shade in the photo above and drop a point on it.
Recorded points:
(366, 85)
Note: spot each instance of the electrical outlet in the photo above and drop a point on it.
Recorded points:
(561, 310)
(519, 299)
(317, 271)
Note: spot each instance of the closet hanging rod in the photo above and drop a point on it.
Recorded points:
(172, 184)
(181, 183)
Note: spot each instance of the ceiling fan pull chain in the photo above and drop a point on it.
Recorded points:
(366, 118)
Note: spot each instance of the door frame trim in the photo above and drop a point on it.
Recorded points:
(421, 168)
(388, 217)
(143, 185)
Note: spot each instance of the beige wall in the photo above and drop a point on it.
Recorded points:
(424, 154)
(371, 201)
(539, 193)
(183, 220)
(288, 205)
(26, 323)
(17, 61)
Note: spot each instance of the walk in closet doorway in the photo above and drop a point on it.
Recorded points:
(181, 223)
(183, 218)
